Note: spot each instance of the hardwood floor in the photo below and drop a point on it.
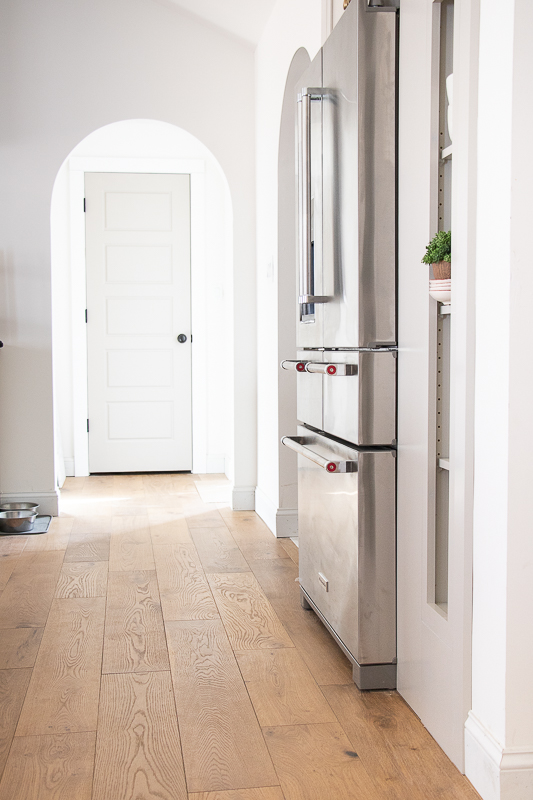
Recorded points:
(152, 645)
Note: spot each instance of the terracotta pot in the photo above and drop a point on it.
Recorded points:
(442, 270)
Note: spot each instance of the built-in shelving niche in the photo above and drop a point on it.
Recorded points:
(441, 320)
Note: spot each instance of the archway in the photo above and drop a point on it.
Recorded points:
(143, 146)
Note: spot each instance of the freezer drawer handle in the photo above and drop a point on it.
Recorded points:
(298, 444)
(334, 370)
(299, 366)
(305, 98)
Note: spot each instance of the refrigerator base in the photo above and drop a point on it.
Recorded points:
(366, 677)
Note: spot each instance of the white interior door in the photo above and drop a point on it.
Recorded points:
(138, 303)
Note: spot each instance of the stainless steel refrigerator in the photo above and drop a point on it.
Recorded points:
(346, 360)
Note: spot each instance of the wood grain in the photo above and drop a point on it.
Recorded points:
(12, 545)
(245, 526)
(131, 545)
(138, 753)
(82, 579)
(291, 549)
(318, 761)
(325, 660)
(248, 617)
(10, 549)
(218, 551)
(63, 692)
(168, 527)
(395, 747)
(134, 634)
(282, 689)
(267, 793)
(222, 743)
(13, 687)
(89, 540)
(168, 484)
(185, 593)
(263, 549)
(203, 517)
(19, 646)
(50, 767)
(26, 600)
(56, 538)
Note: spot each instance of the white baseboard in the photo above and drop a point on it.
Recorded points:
(48, 501)
(283, 522)
(216, 464)
(243, 498)
(69, 467)
(497, 773)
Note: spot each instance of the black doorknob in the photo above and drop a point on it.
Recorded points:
(182, 338)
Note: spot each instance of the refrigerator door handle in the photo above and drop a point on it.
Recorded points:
(298, 366)
(298, 444)
(333, 370)
(305, 98)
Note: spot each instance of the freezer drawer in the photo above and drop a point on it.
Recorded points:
(360, 406)
(346, 522)
(351, 395)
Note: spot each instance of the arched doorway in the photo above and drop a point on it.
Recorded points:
(142, 146)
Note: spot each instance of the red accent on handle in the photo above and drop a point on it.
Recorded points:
(332, 369)
(300, 367)
(331, 467)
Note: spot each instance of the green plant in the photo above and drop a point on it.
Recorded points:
(439, 248)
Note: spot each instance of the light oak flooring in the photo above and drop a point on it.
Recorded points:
(153, 647)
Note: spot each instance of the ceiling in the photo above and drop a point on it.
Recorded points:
(243, 18)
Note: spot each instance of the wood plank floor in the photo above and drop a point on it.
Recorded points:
(152, 645)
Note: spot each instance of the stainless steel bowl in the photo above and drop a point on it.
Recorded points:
(19, 507)
(20, 521)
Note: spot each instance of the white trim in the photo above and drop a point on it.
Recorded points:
(195, 168)
(283, 522)
(48, 501)
(243, 498)
(497, 773)
(69, 467)
(139, 164)
(286, 523)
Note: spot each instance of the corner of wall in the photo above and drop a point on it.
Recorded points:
(283, 522)
(497, 773)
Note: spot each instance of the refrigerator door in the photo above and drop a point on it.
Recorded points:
(360, 404)
(346, 522)
(359, 178)
(310, 314)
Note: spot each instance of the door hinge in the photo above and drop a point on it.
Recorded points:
(84, 205)
(85, 315)
(87, 426)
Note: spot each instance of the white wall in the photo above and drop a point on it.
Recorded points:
(142, 139)
(292, 25)
(434, 662)
(73, 68)
(499, 735)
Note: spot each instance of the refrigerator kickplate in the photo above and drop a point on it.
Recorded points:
(367, 677)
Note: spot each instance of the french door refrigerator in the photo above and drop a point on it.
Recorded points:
(346, 338)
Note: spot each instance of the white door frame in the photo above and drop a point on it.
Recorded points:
(78, 166)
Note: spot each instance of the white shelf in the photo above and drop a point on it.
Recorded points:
(445, 308)
(446, 152)
(443, 463)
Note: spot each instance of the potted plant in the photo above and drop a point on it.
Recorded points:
(439, 255)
